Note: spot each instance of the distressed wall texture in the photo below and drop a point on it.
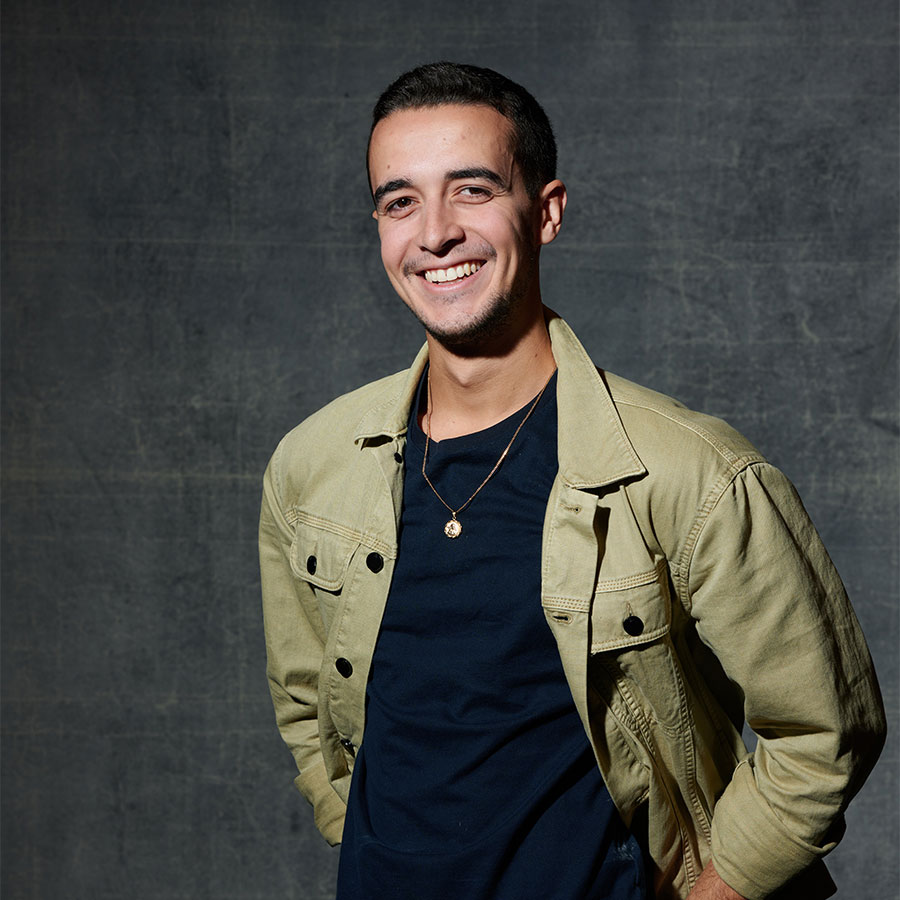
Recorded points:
(189, 268)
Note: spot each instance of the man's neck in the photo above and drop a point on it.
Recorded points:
(470, 393)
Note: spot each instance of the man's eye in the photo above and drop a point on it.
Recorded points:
(475, 192)
(398, 206)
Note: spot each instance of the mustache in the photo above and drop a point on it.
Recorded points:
(460, 252)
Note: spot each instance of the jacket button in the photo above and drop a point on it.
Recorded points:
(347, 744)
(343, 666)
(398, 457)
(375, 562)
(311, 565)
(633, 625)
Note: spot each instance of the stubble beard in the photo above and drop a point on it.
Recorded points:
(482, 329)
(490, 328)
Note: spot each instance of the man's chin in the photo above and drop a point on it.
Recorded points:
(485, 332)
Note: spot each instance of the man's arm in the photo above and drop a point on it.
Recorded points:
(771, 607)
(295, 638)
(710, 887)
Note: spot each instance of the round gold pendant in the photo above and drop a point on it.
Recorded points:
(453, 529)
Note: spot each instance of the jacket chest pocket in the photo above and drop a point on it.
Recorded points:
(630, 625)
(321, 554)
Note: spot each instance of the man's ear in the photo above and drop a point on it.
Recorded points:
(375, 214)
(553, 204)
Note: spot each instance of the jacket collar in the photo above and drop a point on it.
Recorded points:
(390, 417)
(593, 448)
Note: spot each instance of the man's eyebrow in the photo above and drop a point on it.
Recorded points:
(397, 184)
(478, 172)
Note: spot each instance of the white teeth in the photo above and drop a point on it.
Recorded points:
(451, 274)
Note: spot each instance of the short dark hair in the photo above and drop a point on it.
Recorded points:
(440, 83)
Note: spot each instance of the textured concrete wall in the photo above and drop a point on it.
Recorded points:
(189, 268)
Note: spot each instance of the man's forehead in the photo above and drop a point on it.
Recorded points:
(424, 133)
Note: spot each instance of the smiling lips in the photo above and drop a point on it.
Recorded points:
(452, 273)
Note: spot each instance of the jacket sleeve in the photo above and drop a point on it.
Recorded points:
(769, 603)
(295, 638)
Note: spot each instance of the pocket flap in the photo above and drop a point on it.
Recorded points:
(630, 611)
(320, 556)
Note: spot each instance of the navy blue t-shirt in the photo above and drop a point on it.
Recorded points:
(475, 778)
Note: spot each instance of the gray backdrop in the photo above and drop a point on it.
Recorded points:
(189, 268)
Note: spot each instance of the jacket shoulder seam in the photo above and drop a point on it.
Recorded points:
(735, 460)
(710, 502)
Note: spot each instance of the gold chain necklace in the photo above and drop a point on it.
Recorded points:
(453, 528)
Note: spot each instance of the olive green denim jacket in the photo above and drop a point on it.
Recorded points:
(685, 586)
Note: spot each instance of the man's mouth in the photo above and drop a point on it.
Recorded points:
(452, 273)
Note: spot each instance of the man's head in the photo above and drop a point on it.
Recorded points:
(460, 229)
(446, 83)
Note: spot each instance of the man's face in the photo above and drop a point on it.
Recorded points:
(459, 234)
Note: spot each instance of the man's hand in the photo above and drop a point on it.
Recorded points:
(710, 887)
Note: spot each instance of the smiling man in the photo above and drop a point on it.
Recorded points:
(460, 231)
(517, 609)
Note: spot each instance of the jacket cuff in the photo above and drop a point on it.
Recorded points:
(328, 808)
(752, 850)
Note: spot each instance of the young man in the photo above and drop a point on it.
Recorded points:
(547, 596)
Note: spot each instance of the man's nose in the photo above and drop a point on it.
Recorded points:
(440, 229)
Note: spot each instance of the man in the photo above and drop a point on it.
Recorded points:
(548, 597)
